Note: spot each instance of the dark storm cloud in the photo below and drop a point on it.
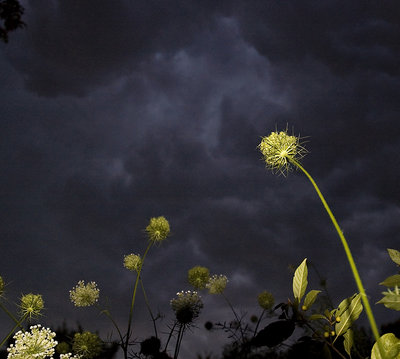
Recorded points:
(71, 46)
(113, 113)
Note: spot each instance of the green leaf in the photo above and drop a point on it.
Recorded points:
(348, 341)
(391, 281)
(391, 299)
(394, 255)
(300, 280)
(310, 298)
(349, 316)
(317, 316)
(390, 346)
(344, 304)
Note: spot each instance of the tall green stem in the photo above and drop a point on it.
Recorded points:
(128, 332)
(356, 275)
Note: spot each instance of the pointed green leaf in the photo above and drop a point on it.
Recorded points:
(349, 316)
(348, 341)
(317, 316)
(391, 281)
(394, 255)
(344, 304)
(310, 298)
(389, 344)
(300, 280)
(391, 299)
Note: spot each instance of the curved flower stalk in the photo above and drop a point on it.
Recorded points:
(281, 153)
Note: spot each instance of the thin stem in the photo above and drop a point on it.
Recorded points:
(14, 329)
(258, 322)
(356, 275)
(15, 320)
(179, 340)
(236, 316)
(149, 308)
(128, 332)
(170, 335)
(107, 314)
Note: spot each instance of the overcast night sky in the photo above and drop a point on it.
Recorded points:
(113, 112)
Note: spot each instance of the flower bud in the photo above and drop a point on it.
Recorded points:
(158, 229)
(266, 300)
(198, 277)
(31, 304)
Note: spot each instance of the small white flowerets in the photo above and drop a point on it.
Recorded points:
(84, 295)
(217, 284)
(187, 306)
(37, 344)
(70, 356)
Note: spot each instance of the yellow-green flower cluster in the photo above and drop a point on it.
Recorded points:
(31, 305)
(187, 306)
(279, 149)
(1, 286)
(265, 300)
(39, 343)
(84, 295)
(158, 229)
(217, 284)
(198, 277)
(133, 262)
(87, 344)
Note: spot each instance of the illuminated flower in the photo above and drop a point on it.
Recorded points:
(158, 229)
(31, 305)
(1, 285)
(266, 300)
(217, 284)
(70, 356)
(39, 343)
(133, 262)
(279, 149)
(87, 344)
(198, 277)
(84, 295)
(187, 306)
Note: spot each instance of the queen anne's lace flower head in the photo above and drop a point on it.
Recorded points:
(31, 305)
(187, 306)
(198, 277)
(217, 284)
(133, 262)
(266, 300)
(70, 356)
(39, 343)
(158, 229)
(279, 148)
(84, 295)
(87, 344)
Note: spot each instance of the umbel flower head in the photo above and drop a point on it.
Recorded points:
(31, 305)
(265, 300)
(198, 277)
(187, 306)
(217, 284)
(39, 343)
(84, 295)
(133, 262)
(158, 229)
(279, 149)
(87, 344)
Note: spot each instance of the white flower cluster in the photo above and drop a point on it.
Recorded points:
(84, 295)
(37, 344)
(187, 306)
(70, 356)
(217, 284)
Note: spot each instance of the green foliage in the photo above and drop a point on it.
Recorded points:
(300, 281)
(390, 345)
(348, 314)
(391, 299)
(392, 281)
(348, 341)
(394, 255)
(310, 298)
